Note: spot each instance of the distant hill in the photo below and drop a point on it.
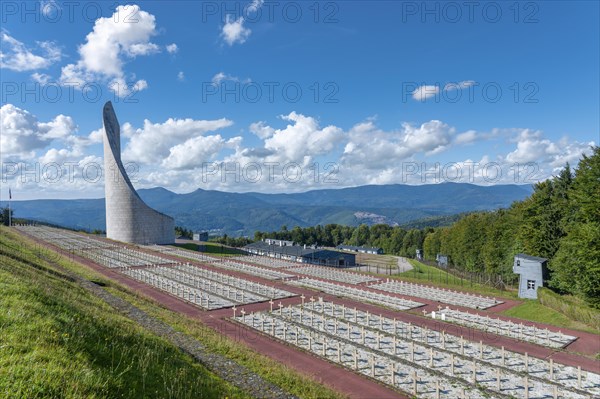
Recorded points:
(244, 213)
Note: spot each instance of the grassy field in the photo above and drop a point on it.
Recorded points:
(533, 310)
(290, 380)
(59, 341)
(377, 260)
(424, 274)
(213, 249)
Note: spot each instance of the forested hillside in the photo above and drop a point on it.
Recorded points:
(559, 221)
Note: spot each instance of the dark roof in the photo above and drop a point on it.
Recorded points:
(296, 250)
(286, 249)
(327, 254)
(355, 248)
(529, 257)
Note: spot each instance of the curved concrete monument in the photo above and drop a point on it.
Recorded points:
(128, 218)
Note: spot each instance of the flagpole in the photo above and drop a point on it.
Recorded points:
(9, 216)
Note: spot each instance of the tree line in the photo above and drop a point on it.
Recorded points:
(236, 242)
(560, 221)
(183, 232)
(393, 240)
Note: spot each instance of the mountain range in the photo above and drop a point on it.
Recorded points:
(243, 213)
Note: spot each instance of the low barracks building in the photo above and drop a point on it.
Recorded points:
(297, 253)
(362, 250)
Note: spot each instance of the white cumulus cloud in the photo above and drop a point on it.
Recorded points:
(40, 78)
(112, 42)
(172, 48)
(198, 150)
(221, 77)
(548, 155)
(369, 147)
(152, 143)
(173, 153)
(424, 92)
(233, 30)
(50, 9)
(255, 5)
(301, 140)
(18, 57)
(466, 137)
(23, 134)
(262, 130)
(96, 136)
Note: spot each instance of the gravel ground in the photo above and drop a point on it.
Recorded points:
(445, 366)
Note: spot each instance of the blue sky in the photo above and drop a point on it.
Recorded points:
(388, 90)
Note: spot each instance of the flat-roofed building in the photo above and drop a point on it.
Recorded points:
(301, 254)
(281, 243)
(362, 250)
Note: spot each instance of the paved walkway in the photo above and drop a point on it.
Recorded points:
(404, 265)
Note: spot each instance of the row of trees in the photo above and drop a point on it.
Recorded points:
(231, 241)
(393, 240)
(560, 221)
(183, 232)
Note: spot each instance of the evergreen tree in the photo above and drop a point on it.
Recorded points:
(360, 236)
(432, 244)
(5, 215)
(576, 266)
